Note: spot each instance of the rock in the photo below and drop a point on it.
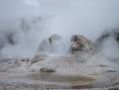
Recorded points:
(38, 58)
(25, 60)
(80, 44)
(47, 69)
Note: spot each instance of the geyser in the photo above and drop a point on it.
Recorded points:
(44, 18)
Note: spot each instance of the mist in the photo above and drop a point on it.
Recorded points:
(42, 18)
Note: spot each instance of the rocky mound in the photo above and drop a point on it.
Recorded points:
(80, 44)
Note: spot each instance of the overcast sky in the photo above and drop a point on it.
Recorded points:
(91, 15)
(26, 7)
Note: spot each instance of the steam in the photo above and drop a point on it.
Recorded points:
(27, 22)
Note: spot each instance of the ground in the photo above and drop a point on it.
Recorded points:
(54, 70)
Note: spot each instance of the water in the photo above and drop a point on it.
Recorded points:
(107, 79)
(64, 82)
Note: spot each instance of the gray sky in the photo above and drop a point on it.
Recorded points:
(26, 7)
(84, 16)
(67, 17)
